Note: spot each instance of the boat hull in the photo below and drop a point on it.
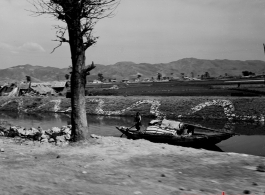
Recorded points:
(198, 139)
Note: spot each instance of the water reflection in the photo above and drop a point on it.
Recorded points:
(101, 125)
(250, 141)
(254, 144)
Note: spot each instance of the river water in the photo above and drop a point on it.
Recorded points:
(250, 141)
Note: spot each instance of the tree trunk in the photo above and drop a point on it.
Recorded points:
(78, 82)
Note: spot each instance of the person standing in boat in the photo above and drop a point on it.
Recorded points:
(138, 121)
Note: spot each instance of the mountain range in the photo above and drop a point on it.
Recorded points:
(130, 70)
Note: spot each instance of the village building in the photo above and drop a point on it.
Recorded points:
(9, 90)
(97, 81)
(42, 88)
(113, 80)
(61, 87)
(23, 88)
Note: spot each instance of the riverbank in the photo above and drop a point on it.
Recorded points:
(222, 108)
(109, 165)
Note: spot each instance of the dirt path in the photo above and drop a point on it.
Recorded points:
(117, 166)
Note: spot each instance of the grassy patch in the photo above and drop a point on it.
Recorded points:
(11, 105)
(65, 104)
(172, 106)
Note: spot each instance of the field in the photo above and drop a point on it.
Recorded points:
(180, 88)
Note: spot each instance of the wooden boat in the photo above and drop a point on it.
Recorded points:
(199, 137)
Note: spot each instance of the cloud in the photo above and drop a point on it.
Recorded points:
(8, 47)
(26, 47)
(31, 47)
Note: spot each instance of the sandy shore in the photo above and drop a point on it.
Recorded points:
(110, 165)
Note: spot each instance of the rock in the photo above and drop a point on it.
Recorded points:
(163, 175)
(34, 130)
(21, 131)
(95, 136)
(26, 132)
(37, 136)
(44, 136)
(13, 128)
(48, 131)
(2, 150)
(43, 132)
(58, 156)
(56, 130)
(51, 140)
(60, 139)
(30, 133)
(246, 192)
(63, 127)
(44, 140)
(84, 172)
(137, 192)
(12, 131)
(67, 131)
(12, 134)
(67, 136)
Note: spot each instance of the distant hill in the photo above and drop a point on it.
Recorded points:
(128, 70)
(37, 73)
(215, 68)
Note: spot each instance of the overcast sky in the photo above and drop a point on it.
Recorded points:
(150, 31)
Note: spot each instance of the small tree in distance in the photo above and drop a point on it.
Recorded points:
(28, 79)
(159, 75)
(139, 76)
(80, 17)
(247, 73)
(67, 76)
(100, 77)
(182, 75)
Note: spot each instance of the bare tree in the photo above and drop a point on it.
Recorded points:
(79, 17)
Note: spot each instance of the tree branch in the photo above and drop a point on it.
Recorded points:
(89, 68)
(60, 44)
(61, 39)
(87, 12)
